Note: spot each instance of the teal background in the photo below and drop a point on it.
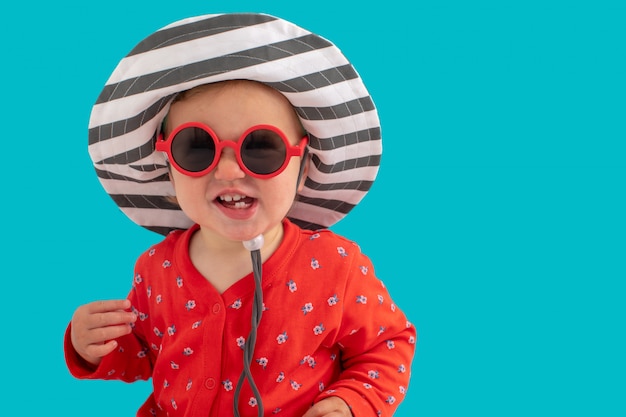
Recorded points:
(497, 221)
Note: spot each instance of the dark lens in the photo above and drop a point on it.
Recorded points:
(193, 149)
(263, 151)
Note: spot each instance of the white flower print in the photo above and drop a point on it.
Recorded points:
(307, 308)
(159, 299)
(292, 286)
(333, 300)
(295, 386)
(262, 362)
(390, 400)
(138, 279)
(236, 304)
(361, 299)
(380, 299)
(309, 360)
(401, 369)
(179, 282)
(171, 330)
(241, 341)
(282, 338)
(228, 385)
(315, 264)
(280, 377)
(314, 236)
(187, 351)
(174, 365)
(189, 384)
(196, 324)
(252, 402)
(319, 329)
(373, 374)
(166, 264)
(391, 344)
(402, 389)
(190, 305)
(364, 270)
(151, 252)
(341, 251)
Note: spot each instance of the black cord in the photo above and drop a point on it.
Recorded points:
(248, 348)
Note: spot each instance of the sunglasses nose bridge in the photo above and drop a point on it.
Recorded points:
(228, 163)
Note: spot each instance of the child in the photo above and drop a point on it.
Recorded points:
(221, 111)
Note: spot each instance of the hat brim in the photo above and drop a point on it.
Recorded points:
(324, 88)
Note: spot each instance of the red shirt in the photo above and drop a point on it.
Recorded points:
(329, 328)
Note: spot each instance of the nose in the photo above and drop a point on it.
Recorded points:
(227, 168)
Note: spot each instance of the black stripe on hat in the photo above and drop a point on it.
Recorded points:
(107, 175)
(366, 161)
(352, 138)
(144, 201)
(334, 205)
(213, 66)
(338, 111)
(121, 127)
(351, 185)
(306, 225)
(199, 29)
(131, 155)
(316, 80)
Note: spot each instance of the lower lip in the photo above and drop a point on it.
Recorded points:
(238, 213)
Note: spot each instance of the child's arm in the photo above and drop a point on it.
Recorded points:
(377, 343)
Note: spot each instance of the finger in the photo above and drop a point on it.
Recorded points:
(107, 319)
(105, 334)
(99, 351)
(104, 306)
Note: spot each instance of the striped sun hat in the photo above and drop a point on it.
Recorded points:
(326, 91)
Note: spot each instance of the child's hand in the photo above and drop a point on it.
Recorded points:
(329, 407)
(96, 325)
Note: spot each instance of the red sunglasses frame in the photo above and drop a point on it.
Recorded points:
(291, 150)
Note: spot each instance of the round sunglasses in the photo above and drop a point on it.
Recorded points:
(262, 151)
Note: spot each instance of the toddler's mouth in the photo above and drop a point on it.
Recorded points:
(235, 201)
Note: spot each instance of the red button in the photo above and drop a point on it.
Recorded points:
(217, 307)
(210, 383)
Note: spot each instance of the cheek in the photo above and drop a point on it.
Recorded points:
(186, 188)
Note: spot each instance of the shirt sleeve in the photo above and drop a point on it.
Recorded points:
(377, 344)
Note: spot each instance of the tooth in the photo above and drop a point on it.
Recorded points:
(237, 197)
(227, 198)
(240, 204)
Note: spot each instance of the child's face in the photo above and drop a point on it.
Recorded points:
(226, 202)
